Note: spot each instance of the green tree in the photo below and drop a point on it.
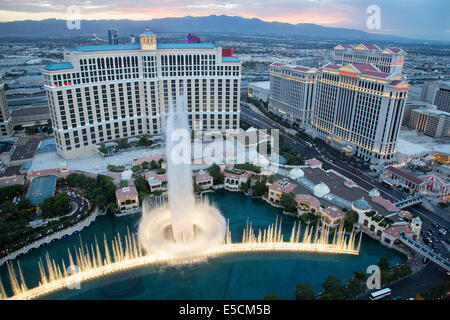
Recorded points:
(383, 263)
(360, 275)
(47, 208)
(304, 292)
(386, 277)
(354, 287)
(123, 144)
(24, 204)
(136, 168)
(103, 148)
(351, 217)
(9, 210)
(123, 183)
(288, 202)
(217, 175)
(260, 188)
(145, 165)
(271, 296)
(333, 290)
(154, 165)
(144, 142)
(62, 204)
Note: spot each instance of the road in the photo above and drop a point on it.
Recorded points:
(430, 276)
(363, 179)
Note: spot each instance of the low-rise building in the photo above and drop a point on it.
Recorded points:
(332, 216)
(306, 203)
(127, 198)
(233, 179)
(280, 187)
(403, 178)
(12, 180)
(203, 180)
(259, 90)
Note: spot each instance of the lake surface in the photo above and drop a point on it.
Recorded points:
(242, 276)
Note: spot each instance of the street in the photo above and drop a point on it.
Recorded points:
(363, 179)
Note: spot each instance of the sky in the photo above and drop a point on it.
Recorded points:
(421, 19)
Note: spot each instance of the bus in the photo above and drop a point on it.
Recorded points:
(387, 184)
(380, 294)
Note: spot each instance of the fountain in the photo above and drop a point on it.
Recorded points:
(183, 226)
(182, 230)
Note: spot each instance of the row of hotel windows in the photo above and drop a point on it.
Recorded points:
(127, 128)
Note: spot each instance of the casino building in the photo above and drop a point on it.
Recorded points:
(108, 92)
(5, 116)
(355, 104)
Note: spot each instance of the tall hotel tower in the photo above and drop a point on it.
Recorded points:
(357, 102)
(5, 116)
(109, 92)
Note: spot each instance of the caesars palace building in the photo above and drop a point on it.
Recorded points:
(107, 92)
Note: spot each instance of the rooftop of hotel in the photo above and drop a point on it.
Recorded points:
(127, 192)
(202, 176)
(13, 180)
(395, 231)
(137, 46)
(404, 174)
(334, 212)
(367, 46)
(293, 67)
(283, 185)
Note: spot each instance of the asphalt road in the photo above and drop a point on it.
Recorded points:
(364, 179)
(430, 276)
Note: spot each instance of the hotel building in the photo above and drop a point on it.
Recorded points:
(358, 109)
(438, 94)
(433, 123)
(109, 92)
(388, 60)
(5, 116)
(291, 92)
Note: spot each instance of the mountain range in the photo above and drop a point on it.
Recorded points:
(207, 24)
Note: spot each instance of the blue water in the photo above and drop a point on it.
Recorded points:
(244, 276)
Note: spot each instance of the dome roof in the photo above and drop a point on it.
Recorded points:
(361, 205)
(125, 175)
(296, 173)
(320, 190)
(374, 193)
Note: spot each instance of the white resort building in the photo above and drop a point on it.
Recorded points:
(107, 92)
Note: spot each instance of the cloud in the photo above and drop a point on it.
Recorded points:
(411, 18)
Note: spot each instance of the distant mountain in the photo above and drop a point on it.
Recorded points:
(207, 24)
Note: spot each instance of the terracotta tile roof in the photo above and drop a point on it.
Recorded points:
(362, 67)
(235, 175)
(313, 162)
(313, 201)
(202, 176)
(283, 186)
(404, 175)
(47, 172)
(385, 203)
(13, 180)
(334, 212)
(395, 82)
(127, 192)
(394, 231)
(149, 159)
(371, 46)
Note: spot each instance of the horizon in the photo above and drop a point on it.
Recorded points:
(425, 20)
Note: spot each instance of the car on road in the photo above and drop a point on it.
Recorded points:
(435, 225)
